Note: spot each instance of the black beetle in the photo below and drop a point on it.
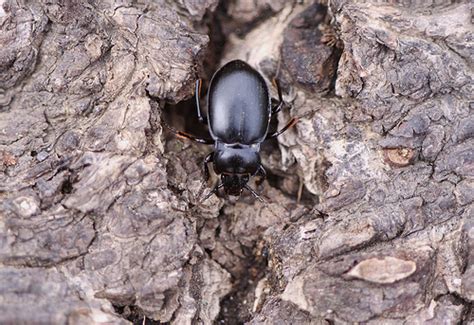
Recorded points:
(239, 113)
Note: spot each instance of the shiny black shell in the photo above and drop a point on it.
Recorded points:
(239, 105)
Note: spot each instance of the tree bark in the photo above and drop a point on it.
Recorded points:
(368, 214)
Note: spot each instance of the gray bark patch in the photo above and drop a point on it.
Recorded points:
(369, 213)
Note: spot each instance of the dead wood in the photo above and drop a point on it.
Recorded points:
(99, 220)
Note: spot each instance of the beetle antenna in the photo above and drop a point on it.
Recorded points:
(214, 190)
(261, 199)
(248, 188)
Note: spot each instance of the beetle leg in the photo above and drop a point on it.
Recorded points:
(185, 135)
(286, 127)
(197, 95)
(279, 105)
(209, 158)
(263, 175)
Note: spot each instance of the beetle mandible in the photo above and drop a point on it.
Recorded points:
(239, 113)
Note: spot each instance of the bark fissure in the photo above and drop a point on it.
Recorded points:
(100, 212)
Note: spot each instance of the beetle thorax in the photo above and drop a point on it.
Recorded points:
(236, 158)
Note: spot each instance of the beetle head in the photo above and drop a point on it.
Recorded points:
(236, 159)
(234, 183)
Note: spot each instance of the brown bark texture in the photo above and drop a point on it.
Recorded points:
(369, 198)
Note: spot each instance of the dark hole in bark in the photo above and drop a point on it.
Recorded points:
(236, 306)
(183, 117)
(66, 187)
(118, 309)
(134, 315)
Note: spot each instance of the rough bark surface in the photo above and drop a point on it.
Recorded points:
(100, 220)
